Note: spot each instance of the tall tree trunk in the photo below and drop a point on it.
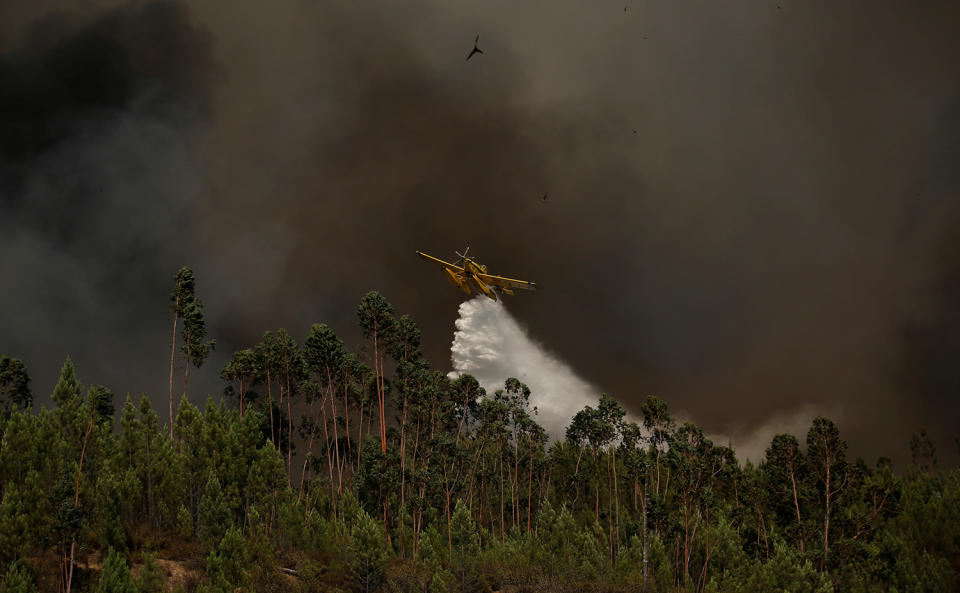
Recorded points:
(289, 433)
(76, 502)
(326, 446)
(596, 489)
(502, 528)
(616, 494)
(186, 373)
(530, 489)
(346, 411)
(403, 452)
(376, 365)
(796, 506)
(173, 351)
(515, 487)
(360, 434)
(826, 519)
(645, 480)
(763, 531)
(309, 454)
(270, 405)
(336, 433)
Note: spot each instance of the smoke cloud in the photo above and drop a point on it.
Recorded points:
(752, 210)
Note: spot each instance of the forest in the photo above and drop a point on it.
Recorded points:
(322, 469)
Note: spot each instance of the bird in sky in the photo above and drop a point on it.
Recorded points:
(475, 50)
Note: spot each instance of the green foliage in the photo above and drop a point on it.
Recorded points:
(14, 384)
(115, 577)
(465, 548)
(68, 388)
(13, 525)
(18, 579)
(101, 401)
(194, 349)
(417, 481)
(404, 345)
(184, 523)
(225, 564)
(367, 551)
(213, 516)
(787, 572)
(375, 315)
(187, 307)
(149, 578)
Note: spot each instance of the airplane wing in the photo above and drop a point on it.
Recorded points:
(440, 262)
(507, 282)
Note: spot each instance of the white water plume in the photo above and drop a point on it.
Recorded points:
(490, 345)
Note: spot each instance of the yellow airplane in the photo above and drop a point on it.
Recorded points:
(474, 276)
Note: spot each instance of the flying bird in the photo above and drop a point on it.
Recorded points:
(475, 50)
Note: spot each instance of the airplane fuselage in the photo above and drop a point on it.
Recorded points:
(471, 277)
(468, 281)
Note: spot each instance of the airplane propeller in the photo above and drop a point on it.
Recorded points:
(463, 255)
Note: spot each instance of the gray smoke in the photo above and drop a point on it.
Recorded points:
(752, 211)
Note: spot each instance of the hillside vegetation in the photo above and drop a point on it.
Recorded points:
(326, 470)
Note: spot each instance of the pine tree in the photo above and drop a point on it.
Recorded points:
(465, 547)
(115, 577)
(18, 579)
(213, 514)
(368, 552)
(150, 578)
(68, 388)
(14, 384)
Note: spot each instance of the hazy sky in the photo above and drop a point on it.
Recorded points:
(753, 205)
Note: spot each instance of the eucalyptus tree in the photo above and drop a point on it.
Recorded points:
(375, 315)
(660, 425)
(324, 354)
(689, 456)
(356, 378)
(265, 361)
(826, 457)
(636, 462)
(242, 374)
(194, 349)
(594, 427)
(610, 414)
(404, 349)
(290, 371)
(536, 439)
(783, 471)
(185, 305)
(516, 398)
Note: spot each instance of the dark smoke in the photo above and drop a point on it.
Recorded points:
(98, 171)
(773, 240)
